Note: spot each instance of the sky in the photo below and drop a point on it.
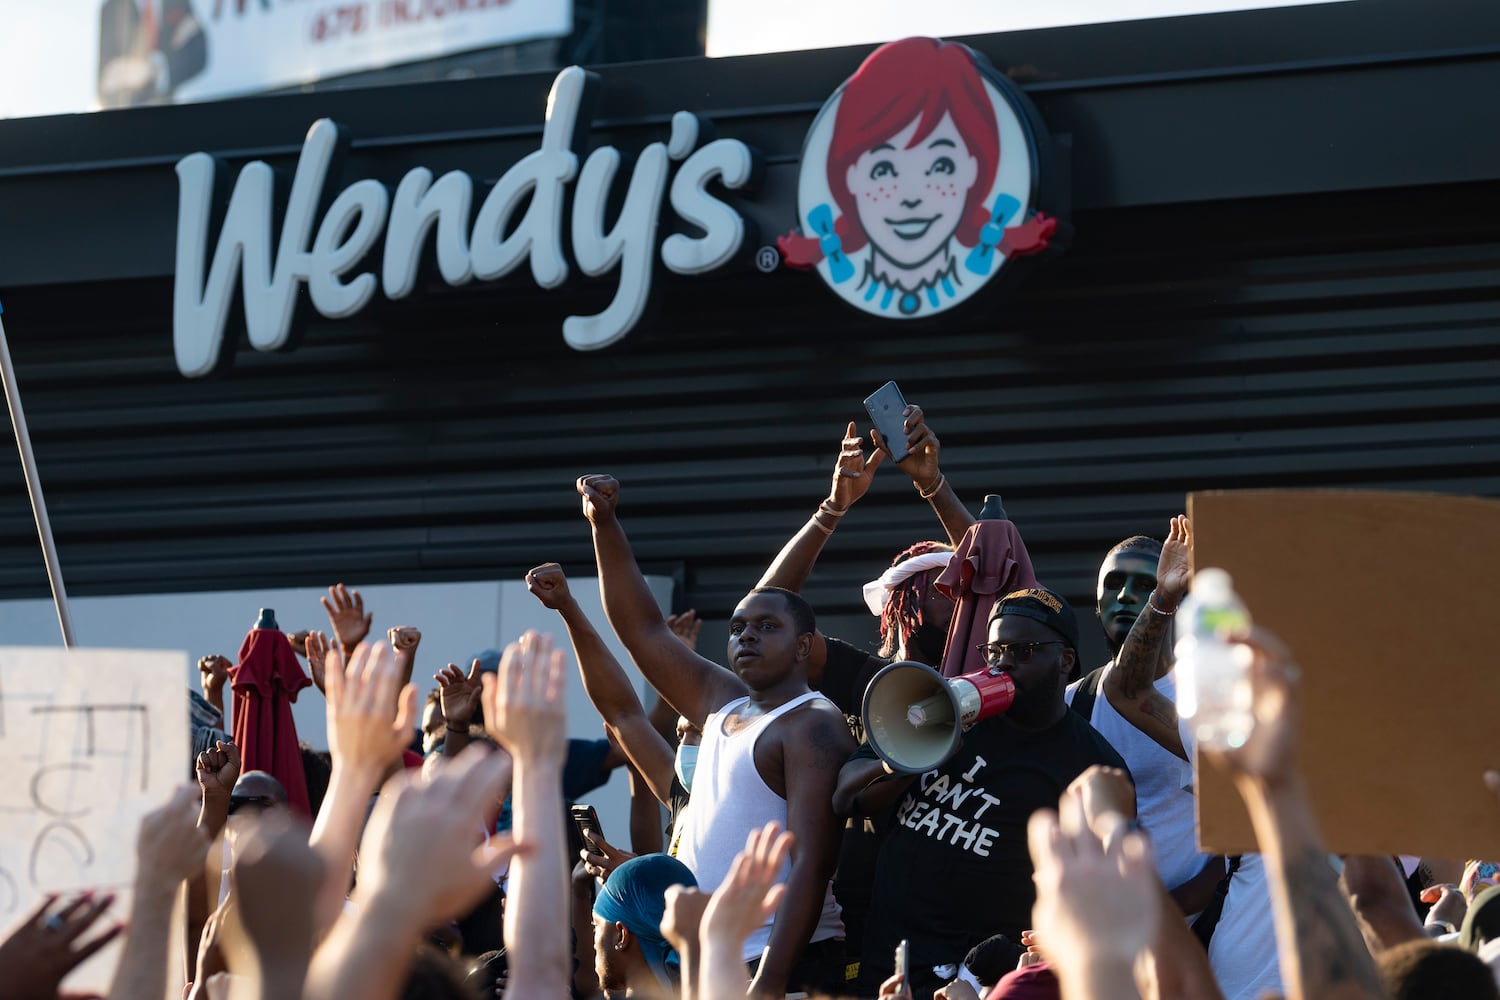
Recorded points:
(49, 53)
(744, 27)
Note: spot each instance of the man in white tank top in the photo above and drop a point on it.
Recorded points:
(771, 748)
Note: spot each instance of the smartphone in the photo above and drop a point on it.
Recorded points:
(587, 820)
(887, 411)
(903, 957)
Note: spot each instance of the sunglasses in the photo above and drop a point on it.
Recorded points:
(257, 802)
(1020, 652)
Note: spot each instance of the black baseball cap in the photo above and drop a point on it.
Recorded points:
(1044, 605)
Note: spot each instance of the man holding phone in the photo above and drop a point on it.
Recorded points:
(771, 750)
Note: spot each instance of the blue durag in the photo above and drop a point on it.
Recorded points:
(635, 895)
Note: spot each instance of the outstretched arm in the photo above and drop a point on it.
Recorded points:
(524, 710)
(365, 736)
(817, 742)
(606, 684)
(852, 475)
(1130, 685)
(695, 685)
(1322, 952)
(737, 907)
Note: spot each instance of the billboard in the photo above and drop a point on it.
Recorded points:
(161, 51)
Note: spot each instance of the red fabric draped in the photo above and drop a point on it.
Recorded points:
(265, 683)
(989, 563)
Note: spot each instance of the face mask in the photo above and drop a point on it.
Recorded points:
(687, 761)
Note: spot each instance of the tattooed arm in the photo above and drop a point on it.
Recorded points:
(1322, 951)
(1130, 683)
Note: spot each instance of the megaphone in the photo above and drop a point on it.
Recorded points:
(914, 716)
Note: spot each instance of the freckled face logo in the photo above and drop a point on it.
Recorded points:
(919, 180)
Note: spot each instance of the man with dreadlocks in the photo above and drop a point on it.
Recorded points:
(914, 617)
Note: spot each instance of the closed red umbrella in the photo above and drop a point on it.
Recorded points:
(990, 562)
(265, 683)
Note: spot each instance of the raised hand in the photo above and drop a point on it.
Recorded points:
(170, 846)
(298, 639)
(683, 918)
(346, 615)
(549, 584)
(1103, 793)
(458, 695)
(895, 988)
(48, 944)
(404, 640)
(686, 627)
(1174, 569)
(213, 673)
(922, 450)
(218, 768)
(401, 868)
(1096, 906)
(1270, 753)
(523, 703)
(853, 472)
(361, 729)
(605, 858)
(316, 646)
(748, 897)
(601, 495)
(270, 931)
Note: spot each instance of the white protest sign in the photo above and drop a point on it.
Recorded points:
(90, 741)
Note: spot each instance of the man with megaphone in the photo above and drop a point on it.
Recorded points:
(970, 758)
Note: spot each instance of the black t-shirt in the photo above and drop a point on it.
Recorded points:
(955, 867)
(846, 674)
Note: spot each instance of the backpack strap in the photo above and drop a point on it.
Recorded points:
(1088, 693)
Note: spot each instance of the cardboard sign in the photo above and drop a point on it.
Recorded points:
(90, 741)
(1387, 600)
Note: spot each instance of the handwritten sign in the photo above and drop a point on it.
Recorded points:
(90, 741)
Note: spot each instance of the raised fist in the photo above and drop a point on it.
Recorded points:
(601, 494)
(404, 637)
(549, 584)
(213, 671)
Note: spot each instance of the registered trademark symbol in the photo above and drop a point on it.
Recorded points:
(768, 259)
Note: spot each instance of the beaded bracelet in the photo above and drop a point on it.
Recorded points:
(928, 494)
(1151, 603)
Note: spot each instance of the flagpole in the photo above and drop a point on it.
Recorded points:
(34, 489)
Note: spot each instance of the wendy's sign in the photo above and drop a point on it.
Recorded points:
(330, 255)
(920, 178)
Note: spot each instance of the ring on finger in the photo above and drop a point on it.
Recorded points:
(53, 923)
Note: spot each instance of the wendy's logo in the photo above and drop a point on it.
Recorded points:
(920, 179)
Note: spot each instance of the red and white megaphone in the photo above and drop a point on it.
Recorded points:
(914, 716)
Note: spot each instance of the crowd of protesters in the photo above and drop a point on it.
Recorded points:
(1052, 853)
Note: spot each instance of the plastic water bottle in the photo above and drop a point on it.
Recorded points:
(1213, 677)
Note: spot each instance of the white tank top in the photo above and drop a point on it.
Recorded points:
(729, 800)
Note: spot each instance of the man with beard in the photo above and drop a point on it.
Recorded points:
(1164, 805)
(955, 868)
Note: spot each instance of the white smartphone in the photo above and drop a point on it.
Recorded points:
(887, 409)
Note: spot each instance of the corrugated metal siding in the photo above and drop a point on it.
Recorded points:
(1266, 337)
(1275, 344)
